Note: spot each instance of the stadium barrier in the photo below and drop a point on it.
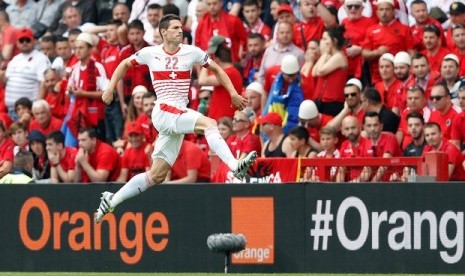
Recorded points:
(312, 227)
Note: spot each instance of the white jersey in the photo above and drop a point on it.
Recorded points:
(171, 73)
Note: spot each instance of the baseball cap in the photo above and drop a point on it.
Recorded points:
(139, 89)
(308, 110)
(256, 87)
(387, 56)
(285, 8)
(290, 65)
(25, 33)
(214, 43)
(134, 127)
(457, 8)
(403, 57)
(385, 1)
(87, 38)
(452, 57)
(272, 118)
(356, 82)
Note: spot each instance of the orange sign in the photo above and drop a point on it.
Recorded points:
(254, 217)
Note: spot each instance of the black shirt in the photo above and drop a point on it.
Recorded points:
(413, 151)
(278, 152)
(389, 119)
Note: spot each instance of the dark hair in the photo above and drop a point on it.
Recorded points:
(136, 24)
(250, 3)
(223, 53)
(154, 6)
(256, 35)
(419, 56)
(74, 32)
(89, 130)
(2, 126)
(431, 28)
(165, 21)
(187, 35)
(49, 38)
(372, 95)
(458, 27)
(61, 39)
(149, 95)
(5, 15)
(16, 126)
(371, 114)
(443, 86)
(337, 34)
(56, 136)
(416, 88)
(24, 102)
(22, 159)
(416, 115)
(433, 124)
(116, 22)
(417, 2)
(300, 132)
(170, 9)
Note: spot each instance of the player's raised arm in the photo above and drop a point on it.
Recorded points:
(119, 73)
(223, 78)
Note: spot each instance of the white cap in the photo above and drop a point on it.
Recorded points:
(452, 57)
(256, 87)
(387, 56)
(385, 1)
(139, 89)
(207, 88)
(353, 2)
(403, 57)
(86, 37)
(356, 82)
(308, 110)
(290, 65)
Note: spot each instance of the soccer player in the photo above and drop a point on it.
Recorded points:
(171, 64)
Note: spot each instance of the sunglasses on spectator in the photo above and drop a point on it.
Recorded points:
(237, 120)
(24, 40)
(436, 98)
(353, 95)
(355, 7)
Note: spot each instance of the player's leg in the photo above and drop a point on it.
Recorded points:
(209, 128)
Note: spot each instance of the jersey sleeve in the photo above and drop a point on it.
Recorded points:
(200, 57)
(141, 57)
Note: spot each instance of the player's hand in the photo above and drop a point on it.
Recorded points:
(239, 102)
(107, 97)
(53, 157)
(81, 156)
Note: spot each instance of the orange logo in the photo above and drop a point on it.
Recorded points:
(254, 217)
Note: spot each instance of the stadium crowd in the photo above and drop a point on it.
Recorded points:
(329, 79)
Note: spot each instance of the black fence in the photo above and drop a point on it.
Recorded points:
(371, 228)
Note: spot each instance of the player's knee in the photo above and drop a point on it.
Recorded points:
(205, 123)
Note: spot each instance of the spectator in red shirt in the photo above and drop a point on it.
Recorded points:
(312, 54)
(402, 66)
(433, 46)
(136, 157)
(18, 133)
(383, 144)
(436, 142)
(53, 92)
(354, 146)
(315, 17)
(243, 140)
(219, 23)
(458, 37)
(6, 151)
(8, 42)
(255, 51)
(422, 74)
(355, 25)
(145, 119)
(444, 112)
(220, 102)
(23, 108)
(419, 11)
(43, 120)
(457, 16)
(61, 158)
(95, 160)
(389, 36)
(252, 22)
(389, 85)
(191, 166)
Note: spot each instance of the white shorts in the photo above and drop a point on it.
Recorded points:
(171, 123)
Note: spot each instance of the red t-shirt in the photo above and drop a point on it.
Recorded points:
(191, 157)
(363, 149)
(417, 34)
(445, 120)
(426, 112)
(360, 115)
(314, 132)
(58, 103)
(106, 158)
(110, 58)
(135, 160)
(135, 75)
(220, 102)
(387, 143)
(390, 95)
(68, 161)
(54, 125)
(457, 129)
(461, 60)
(436, 59)
(150, 133)
(395, 36)
(311, 30)
(270, 76)
(454, 156)
(8, 37)
(6, 150)
(250, 142)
